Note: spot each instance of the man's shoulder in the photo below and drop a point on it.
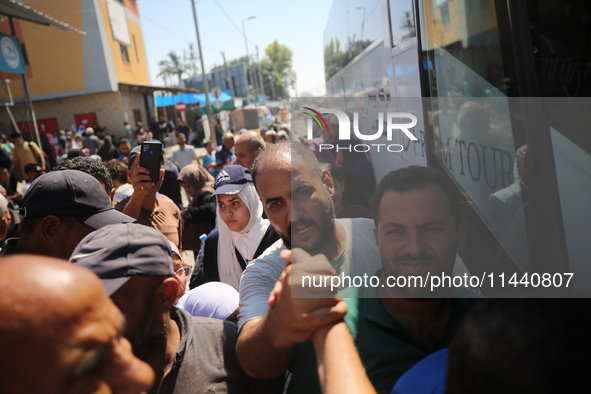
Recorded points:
(257, 281)
(205, 325)
(167, 202)
(121, 204)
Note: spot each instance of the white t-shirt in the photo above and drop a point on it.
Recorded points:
(361, 256)
(184, 157)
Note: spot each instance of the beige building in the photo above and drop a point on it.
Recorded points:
(76, 79)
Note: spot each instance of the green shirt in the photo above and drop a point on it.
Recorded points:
(386, 347)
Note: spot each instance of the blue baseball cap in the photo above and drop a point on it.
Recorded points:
(231, 179)
(119, 252)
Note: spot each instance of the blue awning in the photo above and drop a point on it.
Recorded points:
(191, 98)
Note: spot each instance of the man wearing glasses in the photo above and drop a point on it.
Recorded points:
(187, 353)
(182, 272)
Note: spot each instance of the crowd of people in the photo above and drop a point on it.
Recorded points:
(111, 302)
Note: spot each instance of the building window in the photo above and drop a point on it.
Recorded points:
(137, 57)
(445, 15)
(137, 115)
(124, 53)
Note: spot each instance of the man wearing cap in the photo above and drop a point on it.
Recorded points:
(91, 142)
(188, 354)
(149, 207)
(60, 208)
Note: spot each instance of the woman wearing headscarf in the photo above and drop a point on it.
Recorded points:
(214, 299)
(242, 234)
(196, 180)
(198, 184)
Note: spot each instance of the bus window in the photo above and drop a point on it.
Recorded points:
(402, 21)
(470, 78)
(352, 27)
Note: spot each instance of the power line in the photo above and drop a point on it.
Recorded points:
(231, 21)
(175, 34)
(166, 29)
(214, 63)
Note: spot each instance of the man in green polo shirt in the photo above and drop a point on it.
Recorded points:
(418, 231)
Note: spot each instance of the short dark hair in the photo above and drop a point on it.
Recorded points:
(266, 155)
(123, 141)
(15, 134)
(416, 178)
(297, 150)
(30, 167)
(117, 169)
(256, 143)
(90, 166)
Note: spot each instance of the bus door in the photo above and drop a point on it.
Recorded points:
(509, 82)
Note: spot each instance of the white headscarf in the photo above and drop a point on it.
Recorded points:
(246, 241)
(212, 299)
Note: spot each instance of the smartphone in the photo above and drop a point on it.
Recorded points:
(151, 158)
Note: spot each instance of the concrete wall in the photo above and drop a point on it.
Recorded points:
(110, 110)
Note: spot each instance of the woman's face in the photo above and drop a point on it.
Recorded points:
(190, 190)
(233, 211)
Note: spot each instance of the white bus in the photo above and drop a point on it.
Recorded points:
(500, 89)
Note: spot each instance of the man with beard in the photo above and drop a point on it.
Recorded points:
(187, 353)
(296, 196)
(418, 232)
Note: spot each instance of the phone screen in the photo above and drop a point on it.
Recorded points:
(151, 158)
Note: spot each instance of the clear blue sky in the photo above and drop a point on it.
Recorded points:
(168, 26)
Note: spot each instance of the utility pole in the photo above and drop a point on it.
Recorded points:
(229, 75)
(192, 59)
(255, 81)
(204, 75)
(28, 101)
(272, 86)
(248, 57)
(260, 75)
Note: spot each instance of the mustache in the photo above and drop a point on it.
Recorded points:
(302, 222)
(421, 257)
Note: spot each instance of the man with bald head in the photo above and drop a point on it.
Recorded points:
(249, 145)
(224, 153)
(60, 333)
(297, 198)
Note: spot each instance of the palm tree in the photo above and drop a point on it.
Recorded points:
(172, 66)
